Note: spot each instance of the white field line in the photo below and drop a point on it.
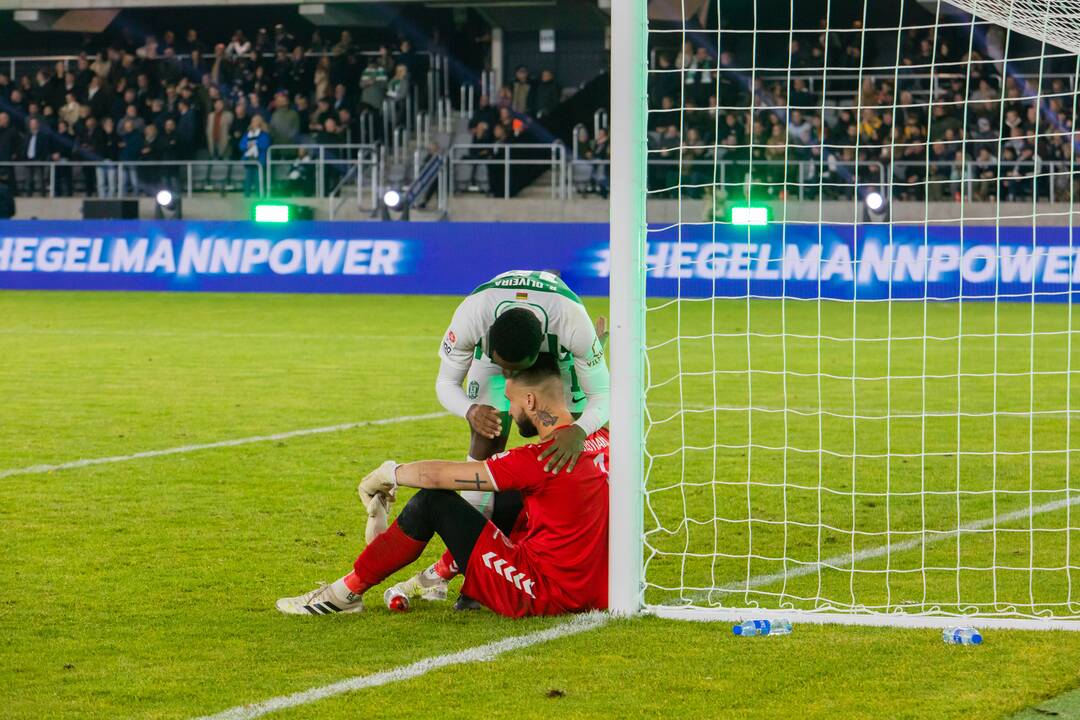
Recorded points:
(106, 332)
(481, 653)
(37, 469)
(842, 562)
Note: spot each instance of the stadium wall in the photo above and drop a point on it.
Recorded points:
(870, 261)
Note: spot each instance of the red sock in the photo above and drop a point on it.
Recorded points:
(447, 567)
(386, 554)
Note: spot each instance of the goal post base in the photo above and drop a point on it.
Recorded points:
(898, 620)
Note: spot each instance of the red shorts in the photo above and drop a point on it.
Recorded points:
(501, 577)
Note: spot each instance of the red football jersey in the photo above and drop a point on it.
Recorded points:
(567, 535)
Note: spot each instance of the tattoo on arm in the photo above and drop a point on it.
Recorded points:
(476, 482)
(546, 418)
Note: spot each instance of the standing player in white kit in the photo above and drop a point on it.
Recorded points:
(500, 327)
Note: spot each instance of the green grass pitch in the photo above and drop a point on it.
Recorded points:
(145, 588)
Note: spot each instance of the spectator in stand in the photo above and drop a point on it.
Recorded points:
(985, 168)
(36, 148)
(522, 92)
(699, 75)
(373, 83)
(284, 122)
(322, 78)
(171, 152)
(253, 147)
(347, 127)
(664, 81)
(255, 107)
(283, 38)
(484, 113)
(187, 127)
(330, 135)
(129, 149)
(87, 138)
(239, 46)
(106, 149)
(341, 99)
(63, 146)
(69, 111)
(218, 141)
(152, 151)
(600, 152)
(303, 113)
(407, 57)
(398, 87)
(131, 112)
(9, 141)
(548, 94)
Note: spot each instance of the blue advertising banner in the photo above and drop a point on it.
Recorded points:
(805, 261)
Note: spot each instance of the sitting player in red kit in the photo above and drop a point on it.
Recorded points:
(558, 564)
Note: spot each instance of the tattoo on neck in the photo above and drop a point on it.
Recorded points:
(476, 482)
(546, 419)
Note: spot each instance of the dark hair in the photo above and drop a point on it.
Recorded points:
(516, 335)
(545, 368)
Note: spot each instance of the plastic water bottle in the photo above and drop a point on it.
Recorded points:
(750, 628)
(396, 600)
(961, 636)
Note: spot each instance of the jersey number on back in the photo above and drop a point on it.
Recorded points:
(600, 461)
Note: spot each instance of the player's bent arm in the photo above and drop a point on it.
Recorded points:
(448, 388)
(595, 382)
(445, 475)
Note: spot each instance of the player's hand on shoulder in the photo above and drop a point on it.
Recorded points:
(485, 420)
(566, 447)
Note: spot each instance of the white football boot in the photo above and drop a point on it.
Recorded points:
(426, 584)
(323, 600)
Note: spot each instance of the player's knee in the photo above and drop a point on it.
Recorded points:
(417, 518)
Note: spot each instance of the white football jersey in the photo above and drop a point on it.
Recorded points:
(566, 324)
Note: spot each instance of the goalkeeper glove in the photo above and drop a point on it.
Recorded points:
(377, 492)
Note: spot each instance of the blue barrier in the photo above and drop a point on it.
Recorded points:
(804, 261)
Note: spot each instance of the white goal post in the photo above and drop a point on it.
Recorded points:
(855, 406)
(629, 72)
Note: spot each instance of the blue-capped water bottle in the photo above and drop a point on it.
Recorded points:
(750, 628)
(961, 636)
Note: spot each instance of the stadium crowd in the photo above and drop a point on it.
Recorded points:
(714, 120)
(843, 117)
(181, 99)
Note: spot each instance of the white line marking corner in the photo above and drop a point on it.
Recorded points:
(38, 469)
(578, 624)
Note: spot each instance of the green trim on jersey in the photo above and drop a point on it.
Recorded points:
(529, 280)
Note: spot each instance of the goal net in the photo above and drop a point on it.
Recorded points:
(858, 332)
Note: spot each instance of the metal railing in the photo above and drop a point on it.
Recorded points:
(323, 160)
(288, 171)
(500, 154)
(114, 178)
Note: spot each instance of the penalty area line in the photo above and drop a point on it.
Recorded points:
(38, 469)
(480, 653)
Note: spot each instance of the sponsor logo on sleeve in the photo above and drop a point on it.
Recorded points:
(597, 357)
(451, 337)
(447, 348)
(474, 390)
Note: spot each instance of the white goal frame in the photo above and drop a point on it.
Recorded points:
(628, 233)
